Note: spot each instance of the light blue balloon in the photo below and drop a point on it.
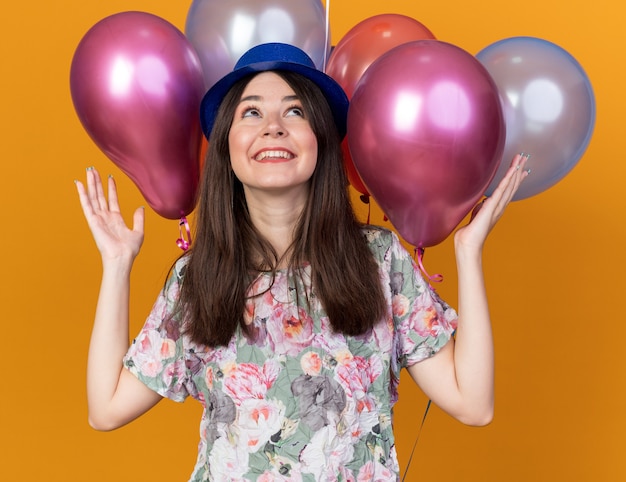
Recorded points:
(548, 105)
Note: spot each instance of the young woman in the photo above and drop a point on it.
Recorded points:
(288, 320)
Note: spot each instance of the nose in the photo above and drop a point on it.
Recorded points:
(273, 127)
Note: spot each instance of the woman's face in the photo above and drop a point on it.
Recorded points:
(272, 146)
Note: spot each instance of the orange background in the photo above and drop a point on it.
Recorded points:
(555, 269)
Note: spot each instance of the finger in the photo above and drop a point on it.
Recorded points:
(99, 194)
(515, 169)
(520, 174)
(92, 188)
(510, 182)
(477, 208)
(84, 199)
(138, 220)
(113, 200)
(507, 193)
(501, 197)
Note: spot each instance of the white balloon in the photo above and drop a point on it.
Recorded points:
(221, 31)
(548, 105)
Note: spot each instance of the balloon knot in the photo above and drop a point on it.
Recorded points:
(184, 241)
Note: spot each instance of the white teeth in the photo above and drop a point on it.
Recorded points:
(266, 154)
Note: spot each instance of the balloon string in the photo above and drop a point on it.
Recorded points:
(185, 237)
(327, 35)
(416, 439)
(436, 278)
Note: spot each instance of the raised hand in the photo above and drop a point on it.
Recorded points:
(488, 212)
(113, 238)
(114, 395)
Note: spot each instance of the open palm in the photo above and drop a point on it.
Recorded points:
(486, 214)
(113, 238)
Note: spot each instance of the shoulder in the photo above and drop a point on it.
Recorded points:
(377, 236)
(180, 266)
(382, 241)
(386, 248)
(177, 273)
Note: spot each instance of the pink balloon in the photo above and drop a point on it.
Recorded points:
(426, 133)
(355, 52)
(136, 84)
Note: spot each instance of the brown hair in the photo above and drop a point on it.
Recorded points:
(223, 260)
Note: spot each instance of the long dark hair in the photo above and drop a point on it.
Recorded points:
(224, 258)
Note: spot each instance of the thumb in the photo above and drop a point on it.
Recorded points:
(477, 208)
(138, 219)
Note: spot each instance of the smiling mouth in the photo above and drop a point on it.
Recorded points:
(274, 156)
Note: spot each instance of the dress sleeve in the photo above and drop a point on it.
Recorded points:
(157, 355)
(423, 322)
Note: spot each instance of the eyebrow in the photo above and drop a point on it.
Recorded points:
(257, 98)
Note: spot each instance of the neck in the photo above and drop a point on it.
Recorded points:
(275, 215)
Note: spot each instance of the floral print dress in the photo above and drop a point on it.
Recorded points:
(296, 401)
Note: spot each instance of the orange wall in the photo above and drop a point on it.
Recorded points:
(554, 267)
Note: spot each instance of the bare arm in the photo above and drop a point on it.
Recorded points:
(460, 378)
(115, 397)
